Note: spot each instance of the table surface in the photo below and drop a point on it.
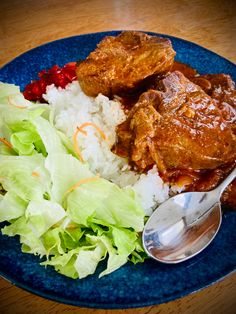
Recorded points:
(27, 24)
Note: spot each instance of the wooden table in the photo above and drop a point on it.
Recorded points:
(27, 24)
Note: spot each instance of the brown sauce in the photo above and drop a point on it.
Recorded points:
(184, 68)
(192, 180)
(204, 180)
(128, 102)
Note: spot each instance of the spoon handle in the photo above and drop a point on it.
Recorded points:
(226, 182)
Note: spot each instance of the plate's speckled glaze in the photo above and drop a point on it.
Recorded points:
(131, 286)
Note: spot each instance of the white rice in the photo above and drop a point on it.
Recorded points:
(72, 108)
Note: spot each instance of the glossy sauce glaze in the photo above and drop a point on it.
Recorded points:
(221, 88)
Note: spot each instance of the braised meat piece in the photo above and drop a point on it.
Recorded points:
(219, 86)
(222, 89)
(120, 64)
(176, 127)
(212, 83)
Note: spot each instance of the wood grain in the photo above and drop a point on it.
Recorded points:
(27, 24)
(218, 299)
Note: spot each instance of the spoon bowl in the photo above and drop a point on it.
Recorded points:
(184, 225)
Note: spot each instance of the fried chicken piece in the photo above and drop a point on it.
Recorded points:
(177, 127)
(120, 64)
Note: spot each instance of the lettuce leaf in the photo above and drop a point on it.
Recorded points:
(88, 259)
(65, 171)
(11, 206)
(49, 136)
(25, 176)
(107, 203)
(31, 243)
(43, 214)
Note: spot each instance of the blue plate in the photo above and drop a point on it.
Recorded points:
(132, 285)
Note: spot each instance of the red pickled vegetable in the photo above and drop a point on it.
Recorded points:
(60, 77)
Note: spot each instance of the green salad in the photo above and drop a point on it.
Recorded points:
(54, 203)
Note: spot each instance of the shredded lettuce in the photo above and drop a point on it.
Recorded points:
(54, 203)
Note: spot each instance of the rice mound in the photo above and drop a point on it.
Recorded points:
(71, 108)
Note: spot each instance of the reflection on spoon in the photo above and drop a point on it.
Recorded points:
(184, 225)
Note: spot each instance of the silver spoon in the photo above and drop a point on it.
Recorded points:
(184, 225)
